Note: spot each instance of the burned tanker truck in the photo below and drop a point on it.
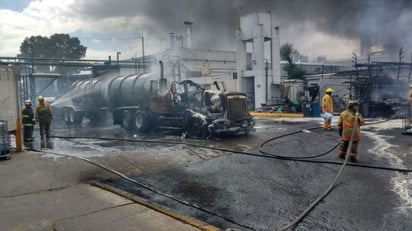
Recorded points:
(147, 102)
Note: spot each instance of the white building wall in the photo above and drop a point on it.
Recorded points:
(257, 29)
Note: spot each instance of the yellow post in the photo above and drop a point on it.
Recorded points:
(19, 143)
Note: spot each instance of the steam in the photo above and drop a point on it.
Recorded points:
(388, 23)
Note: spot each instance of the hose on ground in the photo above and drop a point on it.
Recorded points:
(270, 156)
(126, 178)
(334, 182)
(263, 155)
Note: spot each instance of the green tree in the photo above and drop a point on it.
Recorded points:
(58, 46)
(286, 53)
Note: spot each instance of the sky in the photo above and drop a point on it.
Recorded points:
(330, 28)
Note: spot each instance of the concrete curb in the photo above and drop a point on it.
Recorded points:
(185, 219)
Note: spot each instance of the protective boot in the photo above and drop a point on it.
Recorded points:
(49, 144)
(42, 143)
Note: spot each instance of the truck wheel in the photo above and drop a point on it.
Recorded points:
(196, 130)
(67, 116)
(126, 120)
(142, 122)
(72, 117)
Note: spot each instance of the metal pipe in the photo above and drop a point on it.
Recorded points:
(161, 69)
(189, 33)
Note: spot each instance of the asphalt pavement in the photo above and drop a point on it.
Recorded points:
(181, 187)
(257, 193)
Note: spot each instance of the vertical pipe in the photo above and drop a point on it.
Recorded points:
(172, 41)
(144, 64)
(161, 69)
(189, 33)
(266, 76)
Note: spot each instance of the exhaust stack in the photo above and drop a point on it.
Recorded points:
(189, 33)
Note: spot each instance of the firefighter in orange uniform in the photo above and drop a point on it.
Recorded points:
(346, 125)
(44, 116)
(327, 109)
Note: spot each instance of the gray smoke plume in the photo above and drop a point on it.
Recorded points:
(388, 22)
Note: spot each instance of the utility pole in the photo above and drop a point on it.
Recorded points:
(355, 64)
(32, 83)
(144, 65)
(400, 62)
(117, 55)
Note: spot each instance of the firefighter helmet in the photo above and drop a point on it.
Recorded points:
(329, 90)
(353, 102)
(27, 102)
(40, 98)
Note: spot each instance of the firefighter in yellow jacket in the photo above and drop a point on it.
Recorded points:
(327, 109)
(44, 116)
(346, 125)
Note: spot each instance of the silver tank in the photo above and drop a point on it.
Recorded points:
(112, 91)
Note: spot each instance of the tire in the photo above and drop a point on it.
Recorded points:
(97, 119)
(126, 120)
(142, 122)
(66, 115)
(196, 130)
(72, 117)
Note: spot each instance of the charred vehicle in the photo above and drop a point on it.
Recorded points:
(146, 102)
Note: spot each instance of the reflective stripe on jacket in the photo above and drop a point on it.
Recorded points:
(327, 103)
(347, 123)
(27, 116)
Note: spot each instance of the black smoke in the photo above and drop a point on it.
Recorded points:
(388, 22)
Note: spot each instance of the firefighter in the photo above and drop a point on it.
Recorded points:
(346, 125)
(43, 116)
(28, 121)
(327, 109)
(410, 96)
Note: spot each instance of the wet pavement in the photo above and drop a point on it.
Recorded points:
(247, 192)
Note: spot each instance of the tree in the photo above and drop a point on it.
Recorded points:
(287, 52)
(58, 46)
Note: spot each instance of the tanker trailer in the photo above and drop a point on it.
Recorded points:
(146, 102)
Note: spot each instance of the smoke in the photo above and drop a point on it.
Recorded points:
(386, 22)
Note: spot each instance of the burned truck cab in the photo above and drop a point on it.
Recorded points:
(212, 113)
(229, 114)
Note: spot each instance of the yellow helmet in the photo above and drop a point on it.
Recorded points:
(410, 85)
(329, 90)
(40, 98)
(27, 102)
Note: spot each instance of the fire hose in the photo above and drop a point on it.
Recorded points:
(329, 188)
(263, 155)
(123, 176)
